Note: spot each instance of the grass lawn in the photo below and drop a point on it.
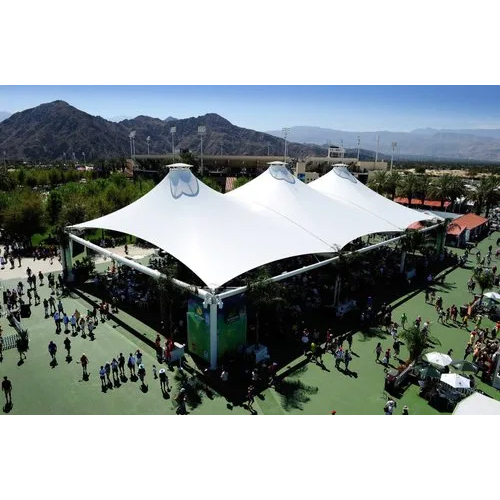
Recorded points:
(40, 389)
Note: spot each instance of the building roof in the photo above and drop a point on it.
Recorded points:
(428, 203)
(467, 221)
(221, 236)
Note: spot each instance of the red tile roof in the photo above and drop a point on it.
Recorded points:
(467, 221)
(428, 203)
(415, 225)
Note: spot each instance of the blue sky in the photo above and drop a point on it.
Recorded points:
(352, 108)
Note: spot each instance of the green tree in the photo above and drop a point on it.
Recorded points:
(25, 215)
(484, 278)
(417, 343)
(212, 183)
(240, 181)
(378, 182)
(408, 186)
(391, 183)
(486, 195)
(422, 187)
(447, 188)
(54, 205)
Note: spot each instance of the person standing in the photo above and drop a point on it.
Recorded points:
(84, 361)
(404, 319)
(163, 380)
(389, 407)
(107, 369)
(73, 323)
(349, 341)
(82, 326)
(7, 390)
(181, 401)
(60, 307)
(406, 410)
(131, 364)
(114, 370)
(121, 364)
(378, 352)
(65, 321)
(102, 376)
(20, 349)
(347, 359)
(339, 354)
(1, 345)
(52, 303)
(57, 321)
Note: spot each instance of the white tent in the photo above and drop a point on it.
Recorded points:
(216, 236)
(334, 221)
(477, 404)
(340, 184)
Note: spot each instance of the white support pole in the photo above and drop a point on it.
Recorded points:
(139, 267)
(213, 334)
(67, 260)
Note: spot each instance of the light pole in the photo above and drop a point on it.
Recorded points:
(285, 133)
(148, 139)
(173, 130)
(132, 143)
(202, 130)
(359, 142)
(394, 144)
(376, 153)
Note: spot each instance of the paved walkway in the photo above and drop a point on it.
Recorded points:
(39, 388)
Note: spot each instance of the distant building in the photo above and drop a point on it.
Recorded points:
(468, 227)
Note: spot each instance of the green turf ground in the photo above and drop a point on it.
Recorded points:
(40, 389)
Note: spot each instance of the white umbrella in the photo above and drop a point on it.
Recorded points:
(437, 359)
(492, 295)
(455, 380)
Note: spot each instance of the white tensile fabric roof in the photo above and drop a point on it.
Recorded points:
(340, 184)
(334, 221)
(221, 236)
(477, 404)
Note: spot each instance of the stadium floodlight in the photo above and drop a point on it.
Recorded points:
(202, 130)
(173, 130)
(285, 133)
(148, 139)
(376, 153)
(359, 142)
(394, 145)
(132, 143)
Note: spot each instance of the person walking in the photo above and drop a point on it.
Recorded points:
(396, 346)
(164, 386)
(84, 361)
(378, 352)
(339, 354)
(181, 401)
(20, 349)
(60, 307)
(52, 350)
(7, 390)
(131, 365)
(141, 372)
(349, 341)
(40, 277)
(1, 345)
(138, 357)
(67, 346)
(121, 364)
(389, 407)
(46, 307)
(250, 397)
(52, 303)
(83, 323)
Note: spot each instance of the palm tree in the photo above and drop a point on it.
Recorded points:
(484, 278)
(378, 182)
(423, 187)
(417, 342)
(391, 184)
(408, 187)
(440, 188)
(486, 195)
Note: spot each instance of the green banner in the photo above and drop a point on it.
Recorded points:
(231, 327)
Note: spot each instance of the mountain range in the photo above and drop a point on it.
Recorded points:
(57, 130)
(460, 144)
